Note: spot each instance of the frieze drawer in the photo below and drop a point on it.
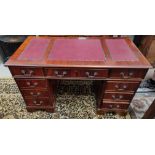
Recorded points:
(94, 73)
(26, 71)
(58, 72)
(127, 73)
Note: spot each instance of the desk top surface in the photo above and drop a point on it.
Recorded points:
(98, 52)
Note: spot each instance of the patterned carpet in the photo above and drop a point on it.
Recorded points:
(68, 105)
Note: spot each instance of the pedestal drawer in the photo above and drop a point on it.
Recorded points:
(114, 96)
(31, 83)
(35, 93)
(114, 106)
(38, 102)
(26, 71)
(121, 86)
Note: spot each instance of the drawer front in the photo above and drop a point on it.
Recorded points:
(92, 73)
(58, 73)
(35, 93)
(117, 96)
(38, 102)
(26, 72)
(127, 73)
(31, 83)
(114, 106)
(121, 86)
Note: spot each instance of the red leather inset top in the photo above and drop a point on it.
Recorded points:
(35, 49)
(77, 50)
(119, 50)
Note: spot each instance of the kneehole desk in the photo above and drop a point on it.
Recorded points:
(115, 65)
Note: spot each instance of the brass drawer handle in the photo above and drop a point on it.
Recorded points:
(91, 75)
(35, 84)
(117, 106)
(130, 74)
(110, 106)
(117, 97)
(34, 102)
(32, 86)
(38, 103)
(125, 86)
(57, 73)
(27, 74)
(119, 87)
(41, 102)
(37, 94)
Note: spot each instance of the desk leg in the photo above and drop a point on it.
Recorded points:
(98, 88)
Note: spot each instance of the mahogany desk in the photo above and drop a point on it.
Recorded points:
(116, 67)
